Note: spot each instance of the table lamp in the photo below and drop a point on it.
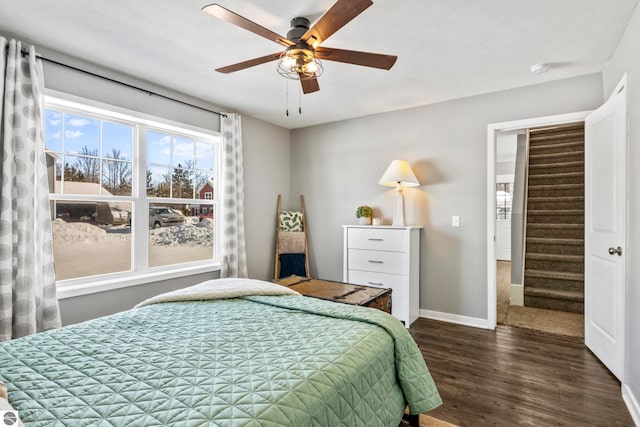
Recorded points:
(399, 173)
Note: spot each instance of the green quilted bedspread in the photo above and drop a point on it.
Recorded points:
(252, 361)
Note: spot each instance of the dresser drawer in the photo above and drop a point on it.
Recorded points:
(397, 283)
(376, 239)
(378, 261)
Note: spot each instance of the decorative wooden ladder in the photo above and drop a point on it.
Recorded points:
(554, 245)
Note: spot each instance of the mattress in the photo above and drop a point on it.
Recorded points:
(244, 361)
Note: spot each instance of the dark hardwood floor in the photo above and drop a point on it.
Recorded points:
(517, 377)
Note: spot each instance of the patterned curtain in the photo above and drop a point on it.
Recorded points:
(234, 257)
(28, 302)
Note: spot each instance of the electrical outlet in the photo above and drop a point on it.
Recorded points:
(455, 221)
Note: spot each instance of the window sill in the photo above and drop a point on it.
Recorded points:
(77, 287)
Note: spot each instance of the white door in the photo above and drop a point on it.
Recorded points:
(605, 216)
(503, 239)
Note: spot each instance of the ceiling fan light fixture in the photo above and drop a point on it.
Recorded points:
(299, 64)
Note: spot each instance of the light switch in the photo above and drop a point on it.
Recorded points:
(455, 221)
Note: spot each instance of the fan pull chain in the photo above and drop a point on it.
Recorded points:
(287, 92)
(299, 99)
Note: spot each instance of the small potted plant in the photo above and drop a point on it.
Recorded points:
(364, 214)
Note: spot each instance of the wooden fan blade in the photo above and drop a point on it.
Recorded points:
(250, 63)
(335, 18)
(367, 59)
(309, 85)
(235, 19)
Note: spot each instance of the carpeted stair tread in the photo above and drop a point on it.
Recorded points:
(554, 136)
(554, 293)
(556, 155)
(555, 241)
(556, 186)
(554, 226)
(558, 175)
(556, 275)
(555, 257)
(550, 212)
(556, 199)
(557, 165)
(540, 147)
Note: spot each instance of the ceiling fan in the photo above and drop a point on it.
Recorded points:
(301, 57)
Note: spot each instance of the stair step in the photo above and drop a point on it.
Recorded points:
(554, 304)
(557, 145)
(556, 199)
(563, 231)
(558, 175)
(557, 165)
(554, 293)
(549, 212)
(555, 226)
(555, 155)
(555, 241)
(577, 126)
(556, 275)
(556, 187)
(535, 137)
(555, 257)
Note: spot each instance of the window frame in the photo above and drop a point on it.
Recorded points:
(140, 272)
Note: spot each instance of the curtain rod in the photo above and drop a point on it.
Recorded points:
(25, 52)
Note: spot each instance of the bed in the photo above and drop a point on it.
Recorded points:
(227, 352)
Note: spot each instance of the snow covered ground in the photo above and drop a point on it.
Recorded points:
(83, 249)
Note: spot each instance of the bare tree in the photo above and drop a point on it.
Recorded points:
(88, 167)
(116, 177)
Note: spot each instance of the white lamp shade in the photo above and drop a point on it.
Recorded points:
(399, 171)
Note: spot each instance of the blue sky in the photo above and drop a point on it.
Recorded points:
(85, 131)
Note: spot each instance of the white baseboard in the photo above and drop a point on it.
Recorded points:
(632, 403)
(455, 318)
(517, 295)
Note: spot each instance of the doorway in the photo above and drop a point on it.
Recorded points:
(493, 133)
(539, 210)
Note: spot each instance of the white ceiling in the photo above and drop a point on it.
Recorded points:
(446, 49)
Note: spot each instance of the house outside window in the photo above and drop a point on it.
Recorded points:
(123, 187)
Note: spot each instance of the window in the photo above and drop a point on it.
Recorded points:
(124, 192)
(504, 196)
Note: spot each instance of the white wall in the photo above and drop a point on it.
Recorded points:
(266, 149)
(337, 167)
(626, 59)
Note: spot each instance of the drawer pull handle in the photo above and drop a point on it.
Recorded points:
(376, 283)
(376, 240)
(375, 262)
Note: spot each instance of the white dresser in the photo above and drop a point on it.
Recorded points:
(388, 257)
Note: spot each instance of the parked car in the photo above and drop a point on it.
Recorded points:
(120, 216)
(162, 216)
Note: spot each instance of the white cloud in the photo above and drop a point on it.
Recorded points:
(73, 134)
(183, 150)
(78, 122)
(55, 135)
(54, 122)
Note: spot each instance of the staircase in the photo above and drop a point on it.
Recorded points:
(554, 247)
